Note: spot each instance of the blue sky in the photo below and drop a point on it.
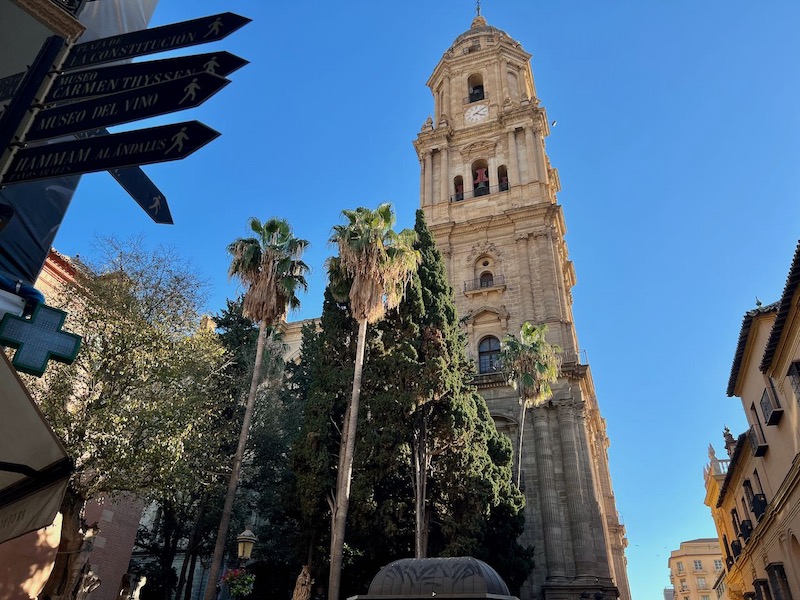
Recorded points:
(677, 144)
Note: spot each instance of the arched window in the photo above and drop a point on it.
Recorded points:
(502, 178)
(486, 279)
(458, 187)
(475, 84)
(489, 355)
(480, 178)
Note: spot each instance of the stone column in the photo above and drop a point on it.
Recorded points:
(525, 277)
(428, 194)
(503, 83)
(444, 174)
(422, 181)
(551, 515)
(530, 152)
(448, 98)
(513, 164)
(582, 543)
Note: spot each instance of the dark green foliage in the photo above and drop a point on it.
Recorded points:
(319, 385)
(417, 402)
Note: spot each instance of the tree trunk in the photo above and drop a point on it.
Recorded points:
(420, 488)
(190, 547)
(187, 595)
(522, 410)
(70, 559)
(227, 509)
(341, 503)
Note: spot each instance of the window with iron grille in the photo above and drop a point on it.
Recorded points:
(794, 378)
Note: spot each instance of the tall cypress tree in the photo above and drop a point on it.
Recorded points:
(428, 426)
(319, 385)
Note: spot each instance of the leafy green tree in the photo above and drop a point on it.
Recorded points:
(136, 410)
(376, 263)
(531, 365)
(270, 267)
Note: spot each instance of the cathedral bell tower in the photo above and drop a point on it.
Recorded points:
(489, 194)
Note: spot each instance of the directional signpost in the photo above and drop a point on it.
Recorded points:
(150, 41)
(141, 147)
(91, 99)
(124, 107)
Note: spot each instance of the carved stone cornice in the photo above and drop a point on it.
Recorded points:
(53, 17)
(480, 249)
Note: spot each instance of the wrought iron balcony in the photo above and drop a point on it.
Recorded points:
(758, 504)
(736, 548)
(573, 357)
(479, 191)
(485, 284)
(757, 442)
(746, 529)
(771, 408)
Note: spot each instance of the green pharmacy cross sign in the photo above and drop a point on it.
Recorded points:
(39, 339)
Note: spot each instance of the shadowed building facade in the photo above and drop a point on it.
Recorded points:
(489, 194)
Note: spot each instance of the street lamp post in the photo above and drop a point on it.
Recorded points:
(245, 541)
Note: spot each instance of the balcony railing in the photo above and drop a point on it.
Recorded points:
(757, 442)
(573, 357)
(758, 504)
(736, 548)
(771, 408)
(746, 529)
(484, 284)
(479, 191)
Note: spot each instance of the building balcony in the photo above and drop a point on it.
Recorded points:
(746, 529)
(771, 408)
(757, 442)
(481, 190)
(736, 548)
(758, 504)
(485, 284)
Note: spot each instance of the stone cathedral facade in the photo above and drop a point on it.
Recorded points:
(489, 194)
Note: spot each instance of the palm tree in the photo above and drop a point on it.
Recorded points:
(372, 270)
(270, 268)
(531, 365)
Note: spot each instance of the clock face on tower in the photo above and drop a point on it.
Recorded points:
(476, 114)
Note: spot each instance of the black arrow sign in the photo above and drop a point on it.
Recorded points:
(150, 41)
(111, 80)
(144, 191)
(145, 146)
(105, 111)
